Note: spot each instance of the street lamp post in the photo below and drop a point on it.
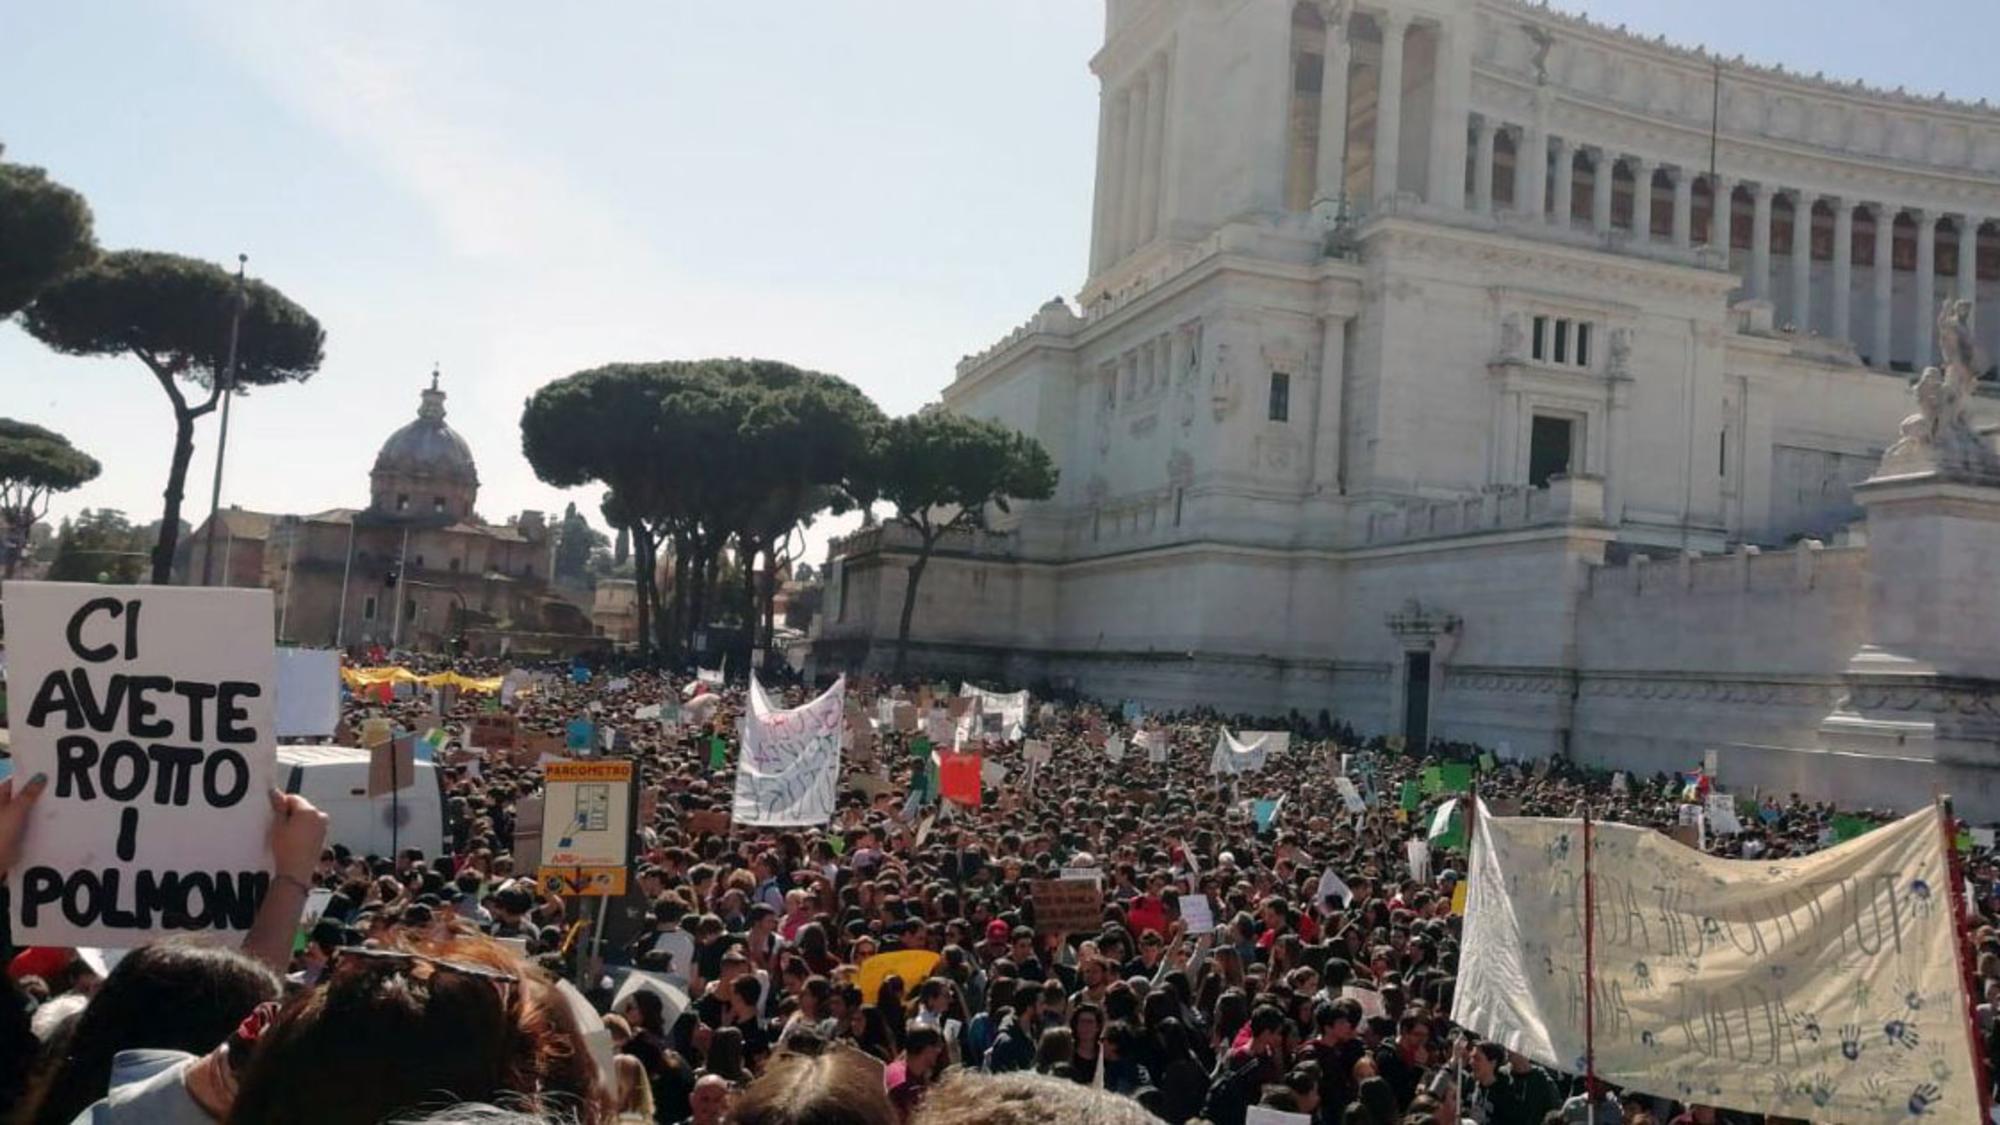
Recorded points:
(222, 436)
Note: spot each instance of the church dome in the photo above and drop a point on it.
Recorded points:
(427, 446)
(426, 467)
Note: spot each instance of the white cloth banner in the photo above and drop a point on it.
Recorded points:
(788, 773)
(1114, 747)
(1012, 707)
(308, 697)
(1823, 988)
(1154, 743)
(1275, 741)
(1234, 756)
(1350, 795)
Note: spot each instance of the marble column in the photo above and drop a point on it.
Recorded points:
(1114, 213)
(1924, 346)
(1760, 242)
(1642, 200)
(1885, 266)
(1603, 169)
(1389, 106)
(1802, 216)
(1683, 208)
(1721, 212)
(1330, 175)
(1843, 270)
(1482, 164)
(1154, 132)
(1135, 161)
(1101, 234)
(1531, 171)
(1563, 167)
(1451, 88)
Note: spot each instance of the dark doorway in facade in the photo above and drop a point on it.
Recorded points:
(1417, 701)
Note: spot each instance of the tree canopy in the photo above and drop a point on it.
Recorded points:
(45, 233)
(698, 455)
(942, 471)
(174, 314)
(34, 465)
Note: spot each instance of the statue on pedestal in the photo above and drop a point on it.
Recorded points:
(1939, 437)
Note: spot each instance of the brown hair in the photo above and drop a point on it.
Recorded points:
(836, 1088)
(970, 1098)
(380, 1039)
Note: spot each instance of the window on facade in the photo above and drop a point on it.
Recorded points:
(437, 504)
(454, 566)
(409, 609)
(368, 608)
(1560, 340)
(419, 562)
(1722, 453)
(528, 570)
(402, 501)
(1281, 397)
(1550, 443)
(1180, 501)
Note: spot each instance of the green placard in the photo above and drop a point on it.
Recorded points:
(1412, 798)
(1432, 780)
(718, 752)
(920, 747)
(1487, 762)
(1457, 777)
(1846, 826)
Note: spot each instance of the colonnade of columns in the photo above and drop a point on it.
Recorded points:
(1546, 171)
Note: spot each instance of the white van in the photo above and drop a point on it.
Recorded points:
(335, 780)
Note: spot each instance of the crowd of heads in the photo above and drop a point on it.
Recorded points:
(449, 982)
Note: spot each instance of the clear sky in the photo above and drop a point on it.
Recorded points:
(517, 191)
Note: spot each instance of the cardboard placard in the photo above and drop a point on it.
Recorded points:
(392, 766)
(1067, 906)
(700, 821)
(495, 730)
(113, 820)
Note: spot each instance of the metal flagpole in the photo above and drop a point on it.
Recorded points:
(1968, 973)
(346, 572)
(396, 622)
(222, 437)
(1589, 978)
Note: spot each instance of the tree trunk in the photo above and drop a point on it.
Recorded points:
(770, 602)
(170, 520)
(910, 604)
(17, 543)
(642, 582)
(746, 551)
(675, 638)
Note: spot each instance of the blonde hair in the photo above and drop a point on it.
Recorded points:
(635, 1093)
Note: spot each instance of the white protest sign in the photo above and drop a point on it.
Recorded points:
(151, 710)
(1012, 708)
(1265, 1115)
(1722, 814)
(1234, 756)
(1330, 883)
(1619, 784)
(1275, 741)
(1369, 999)
(308, 699)
(992, 773)
(1839, 968)
(1196, 914)
(1349, 795)
(788, 773)
(1419, 854)
(1114, 747)
(1036, 751)
(1154, 742)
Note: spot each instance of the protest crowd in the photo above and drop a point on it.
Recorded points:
(1267, 946)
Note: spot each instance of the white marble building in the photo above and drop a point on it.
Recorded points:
(1467, 369)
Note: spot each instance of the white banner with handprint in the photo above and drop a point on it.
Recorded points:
(1825, 988)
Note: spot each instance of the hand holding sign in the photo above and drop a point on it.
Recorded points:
(14, 808)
